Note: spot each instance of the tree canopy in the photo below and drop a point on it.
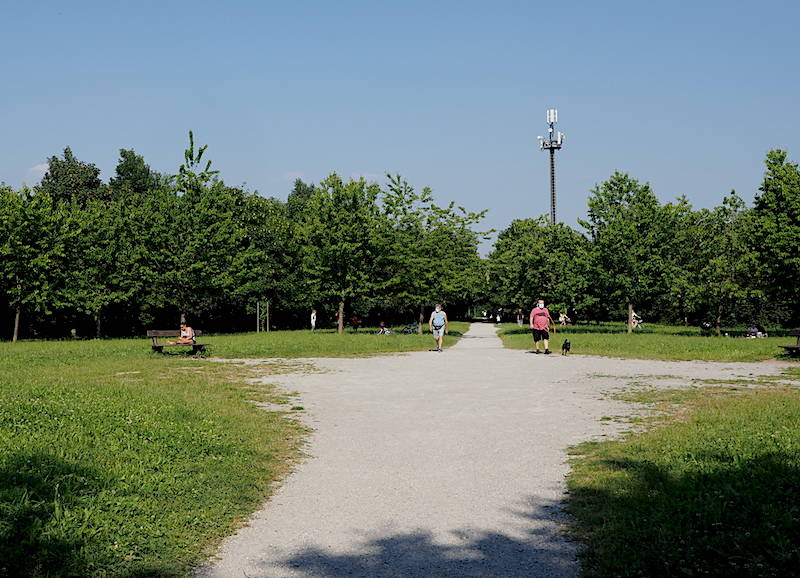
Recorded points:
(147, 249)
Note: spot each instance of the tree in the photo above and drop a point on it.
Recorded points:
(134, 175)
(678, 232)
(627, 243)
(340, 235)
(265, 264)
(535, 259)
(725, 278)
(206, 237)
(297, 200)
(32, 247)
(104, 256)
(69, 179)
(777, 235)
(430, 252)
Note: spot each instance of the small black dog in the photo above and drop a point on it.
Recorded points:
(565, 347)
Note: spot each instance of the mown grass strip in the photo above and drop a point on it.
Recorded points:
(667, 343)
(324, 343)
(711, 491)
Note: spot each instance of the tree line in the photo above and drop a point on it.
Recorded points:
(666, 261)
(146, 249)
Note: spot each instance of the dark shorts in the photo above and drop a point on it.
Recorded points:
(539, 334)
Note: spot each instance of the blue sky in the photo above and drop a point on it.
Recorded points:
(688, 96)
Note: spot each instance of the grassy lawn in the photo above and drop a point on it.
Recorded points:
(709, 491)
(117, 461)
(324, 343)
(653, 342)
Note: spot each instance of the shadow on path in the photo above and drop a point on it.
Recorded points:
(538, 551)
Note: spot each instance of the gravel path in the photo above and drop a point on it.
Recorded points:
(441, 464)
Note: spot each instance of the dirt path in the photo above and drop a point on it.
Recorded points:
(441, 464)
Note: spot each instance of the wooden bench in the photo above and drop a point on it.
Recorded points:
(154, 334)
(793, 349)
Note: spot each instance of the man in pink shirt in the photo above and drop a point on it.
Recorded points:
(540, 325)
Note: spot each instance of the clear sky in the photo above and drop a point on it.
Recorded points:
(688, 96)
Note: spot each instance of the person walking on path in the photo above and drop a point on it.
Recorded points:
(438, 325)
(540, 324)
(313, 319)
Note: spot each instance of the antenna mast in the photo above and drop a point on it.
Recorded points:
(552, 143)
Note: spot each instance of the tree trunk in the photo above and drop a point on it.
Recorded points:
(340, 327)
(258, 316)
(630, 317)
(268, 316)
(17, 315)
(421, 319)
(718, 320)
(683, 311)
(97, 326)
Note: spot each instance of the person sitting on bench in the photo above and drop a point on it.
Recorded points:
(187, 336)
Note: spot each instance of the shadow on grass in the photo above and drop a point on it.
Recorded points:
(46, 524)
(539, 551)
(742, 519)
(35, 491)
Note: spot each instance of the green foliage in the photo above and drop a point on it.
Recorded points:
(191, 177)
(340, 234)
(134, 175)
(630, 244)
(298, 199)
(69, 179)
(35, 237)
(535, 259)
(148, 248)
(777, 234)
(711, 494)
(432, 250)
(727, 263)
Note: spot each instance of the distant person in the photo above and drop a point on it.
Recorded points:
(355, 322)
(313, 319)
(563, 319)
(383, 330)
(438, 325)
(540, 325)
(520, 317)
(187, 336)
(636, 320)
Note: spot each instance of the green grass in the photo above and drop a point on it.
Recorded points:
(324, 343)
(653, 342)
(115, 461)
(710, 489)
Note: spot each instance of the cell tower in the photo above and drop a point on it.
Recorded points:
(552, 143)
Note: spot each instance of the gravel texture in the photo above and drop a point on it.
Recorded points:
(441, 464)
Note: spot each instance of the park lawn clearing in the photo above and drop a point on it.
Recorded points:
(117, 461)
(661, 342)
(325, 343)
(710, 488)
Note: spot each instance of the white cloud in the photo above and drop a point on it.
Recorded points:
(34, 174)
